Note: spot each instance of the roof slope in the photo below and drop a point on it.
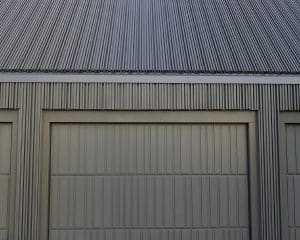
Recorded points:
(259, 36)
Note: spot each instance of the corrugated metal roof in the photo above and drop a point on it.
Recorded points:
(259, 36)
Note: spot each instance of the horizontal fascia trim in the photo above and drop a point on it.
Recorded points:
(148, 78)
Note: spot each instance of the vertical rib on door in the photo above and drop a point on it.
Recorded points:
(149, 181)
(5, 156)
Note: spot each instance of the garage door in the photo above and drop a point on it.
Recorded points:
(152, 181)
(293, 180)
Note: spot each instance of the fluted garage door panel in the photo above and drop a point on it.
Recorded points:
(293, 179)
(5, 156)
(148, 181)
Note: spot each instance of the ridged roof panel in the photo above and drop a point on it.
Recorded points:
(260, 36)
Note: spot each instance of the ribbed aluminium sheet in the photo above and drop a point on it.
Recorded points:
(150, 35)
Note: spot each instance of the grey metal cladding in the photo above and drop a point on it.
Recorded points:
(132, 179)
(293, 178)
(32, 98)
(5, 172)
(150, 35)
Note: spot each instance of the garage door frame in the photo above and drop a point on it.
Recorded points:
(11, 117)
(284, 119)
(92, 117)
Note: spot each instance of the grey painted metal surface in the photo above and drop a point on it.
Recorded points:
(149, 78)
(29, 100)
(289, 168)
(144, 201)
(7, 173)
(150, 35)
(293, 186)
(5, 151)
(122, 178)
